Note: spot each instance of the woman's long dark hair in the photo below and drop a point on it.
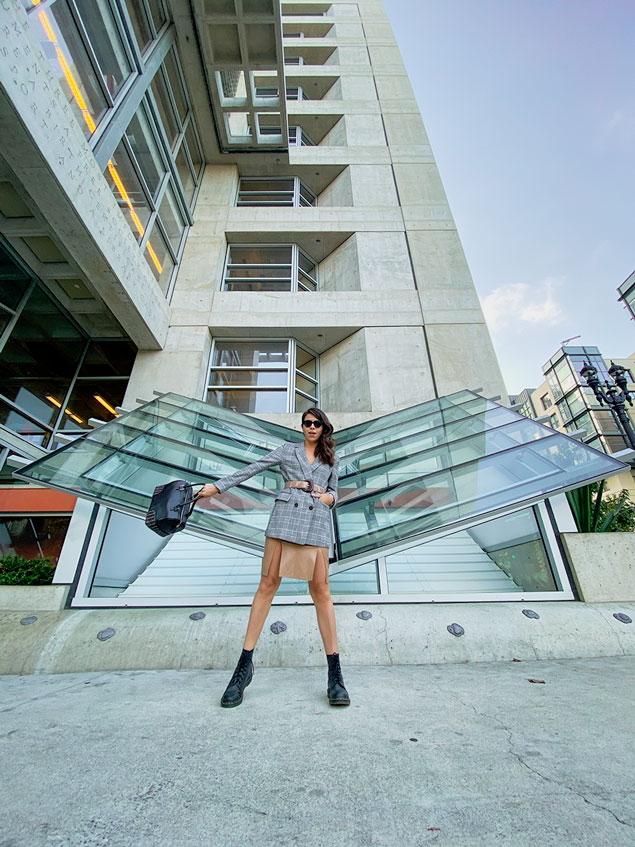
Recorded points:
(325, 448)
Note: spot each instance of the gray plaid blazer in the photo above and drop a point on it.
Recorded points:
(296, 515)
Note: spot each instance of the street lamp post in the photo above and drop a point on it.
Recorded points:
(614, 396)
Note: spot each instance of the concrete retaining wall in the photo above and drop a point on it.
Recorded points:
(603, 565)
(401, 634)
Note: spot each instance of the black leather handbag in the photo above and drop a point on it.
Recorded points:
(170, 507)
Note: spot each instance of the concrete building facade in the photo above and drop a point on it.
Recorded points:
(233, 201)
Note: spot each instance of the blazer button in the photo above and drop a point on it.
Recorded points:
(296, 505)
(310, 508)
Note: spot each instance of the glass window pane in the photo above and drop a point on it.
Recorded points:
(270, 402)
(128, 192)
(251, 353)
(176, 85)
(140, 23)
(158, 13)
(305, 385)
(266, 184)
(302, 404)
(257, 285)
(257, 255)
(305, 283)
(105, 40)
(193, 146)
(260, 198)
(13, 281)
(503, 555)
(25, 428)
(33, 536)
(185, 174)
(280, 272)
(305, 361)
(159, 258)
(4, 319)
(306, 264)
(39, 398)
(171, 218)
(108, 358)
(244, 377)
(69, 60)
(43, 342)
(166, 111)
(146, 151)
(92, 399)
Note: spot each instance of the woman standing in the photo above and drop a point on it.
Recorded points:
(296, 544)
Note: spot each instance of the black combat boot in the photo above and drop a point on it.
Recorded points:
(241, 678)
(338, 695)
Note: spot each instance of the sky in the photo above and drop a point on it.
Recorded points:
(530, 110)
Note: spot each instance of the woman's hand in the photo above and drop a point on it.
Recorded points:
(327, 498)
(208, 490)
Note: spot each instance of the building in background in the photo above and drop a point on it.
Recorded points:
(236, 202)
(627, 295)
(564, 402)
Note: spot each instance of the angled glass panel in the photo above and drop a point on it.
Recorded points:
(403, 476)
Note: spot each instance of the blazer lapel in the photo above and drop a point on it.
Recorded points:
(302, 459)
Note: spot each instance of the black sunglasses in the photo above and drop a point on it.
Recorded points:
(316, 424)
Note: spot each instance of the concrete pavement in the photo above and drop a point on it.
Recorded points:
(456, 754)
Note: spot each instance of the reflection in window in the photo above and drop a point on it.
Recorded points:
(52, 377)
(146, 151)
(126, 186)
(252, 376)
(33, 536)
(282, 267)
(504, 555)
(105, 40)
(63, 46)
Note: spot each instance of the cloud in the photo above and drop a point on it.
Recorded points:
(519, 303)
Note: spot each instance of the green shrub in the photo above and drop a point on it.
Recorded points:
(16, 570)
(593, 513)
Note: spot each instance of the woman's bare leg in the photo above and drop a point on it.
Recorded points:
(321, 594)
(269, 584)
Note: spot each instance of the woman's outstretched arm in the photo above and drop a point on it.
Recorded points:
(269, 460)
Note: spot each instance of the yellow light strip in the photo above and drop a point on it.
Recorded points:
(68, 412)
(74, 417)
(105, 403)
(79, 99)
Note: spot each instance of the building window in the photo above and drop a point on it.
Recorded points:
(154, 167)
(147, 18)
(139, 177)
(546, 401)
(33, 536)
(293, 92)
(299, 138)
(268, 191)
(273, 267)
(91, 60)
(53, 377)
(263, 376)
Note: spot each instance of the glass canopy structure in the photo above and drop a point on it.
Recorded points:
(441, 465)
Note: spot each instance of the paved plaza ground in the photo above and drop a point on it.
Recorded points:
(455, 754)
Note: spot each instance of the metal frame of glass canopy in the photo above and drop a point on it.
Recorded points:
(421, 472)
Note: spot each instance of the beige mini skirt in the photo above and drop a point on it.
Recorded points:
(297, 561)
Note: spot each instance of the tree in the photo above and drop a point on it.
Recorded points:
(593, 513)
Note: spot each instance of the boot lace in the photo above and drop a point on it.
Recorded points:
(335, 674)
(240, 673)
